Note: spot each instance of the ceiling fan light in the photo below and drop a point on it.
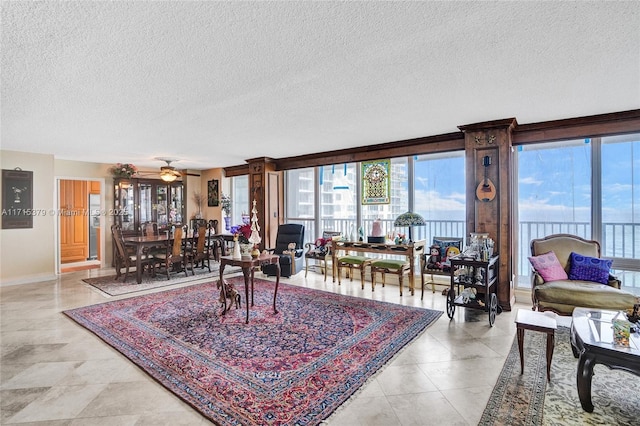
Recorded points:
(168, 174)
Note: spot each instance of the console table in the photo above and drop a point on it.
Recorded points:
(410, 250)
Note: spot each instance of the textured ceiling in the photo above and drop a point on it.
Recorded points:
(216, 83)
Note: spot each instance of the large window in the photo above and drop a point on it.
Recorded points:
(239, 199)
(589, 188)
(439, 194)
(338, 187)
(329, 197)
(387, 213)
(620, 175)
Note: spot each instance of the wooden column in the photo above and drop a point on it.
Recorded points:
(266, 186)
(492, 140)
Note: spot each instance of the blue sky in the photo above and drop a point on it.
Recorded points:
(554, 184)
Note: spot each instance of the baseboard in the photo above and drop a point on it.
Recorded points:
(29, 279)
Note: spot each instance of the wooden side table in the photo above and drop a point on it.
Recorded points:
(536, 321)
(248, 264)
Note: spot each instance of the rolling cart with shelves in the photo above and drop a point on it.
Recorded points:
(481, 276)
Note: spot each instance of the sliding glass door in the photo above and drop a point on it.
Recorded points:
(587, 187)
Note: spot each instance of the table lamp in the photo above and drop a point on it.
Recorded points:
(409, 219)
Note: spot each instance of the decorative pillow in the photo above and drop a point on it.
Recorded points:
(548, 266)
(587, 268)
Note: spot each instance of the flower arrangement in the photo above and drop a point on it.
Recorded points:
(241, 233)
(125, 170)
(225, 202)
(321, 242)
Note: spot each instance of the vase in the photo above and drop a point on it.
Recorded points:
(245, 249)
(236, 250)
(227, 223)
(255, 252)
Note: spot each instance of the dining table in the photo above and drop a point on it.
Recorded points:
(140, 242)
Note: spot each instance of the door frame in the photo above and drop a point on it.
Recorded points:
(103, 221)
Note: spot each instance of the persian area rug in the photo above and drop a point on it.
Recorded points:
(113, 287)
(293, 367)
(528, 399)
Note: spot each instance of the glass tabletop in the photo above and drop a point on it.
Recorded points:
(595, 327)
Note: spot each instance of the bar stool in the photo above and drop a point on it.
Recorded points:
(390, 266)
(353, 262)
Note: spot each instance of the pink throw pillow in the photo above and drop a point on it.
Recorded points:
(549, 267)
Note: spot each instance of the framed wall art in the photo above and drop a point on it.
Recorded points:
(376, 182)
(17, 199)
(213, 193)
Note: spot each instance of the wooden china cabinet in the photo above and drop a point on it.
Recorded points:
(138, 201)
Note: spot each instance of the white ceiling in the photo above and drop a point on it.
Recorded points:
(216, 83)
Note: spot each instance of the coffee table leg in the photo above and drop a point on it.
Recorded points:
(584, 375)
(521, 348)
(550, 344)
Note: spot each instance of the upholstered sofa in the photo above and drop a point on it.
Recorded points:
(561, 295)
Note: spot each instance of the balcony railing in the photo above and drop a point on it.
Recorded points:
(620, 241)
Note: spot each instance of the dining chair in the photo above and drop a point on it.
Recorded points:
(123, 257)
(200, 251)
(174, 255)
(150, 228)
(216, 243)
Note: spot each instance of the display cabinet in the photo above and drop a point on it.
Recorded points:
(138, 201)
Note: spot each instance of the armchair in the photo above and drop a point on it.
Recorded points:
(290, 261)
(562, 291)
(320, 255)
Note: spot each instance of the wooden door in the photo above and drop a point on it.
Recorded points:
(74, 214)
(94, 188)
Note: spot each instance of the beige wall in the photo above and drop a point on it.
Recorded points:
(29, 255)
(213, 212)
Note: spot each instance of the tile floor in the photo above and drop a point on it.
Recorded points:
(54, 372)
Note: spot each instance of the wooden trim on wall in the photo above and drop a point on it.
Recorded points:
(240, 170)
(576, 128)
(431, 144)
(546, 131)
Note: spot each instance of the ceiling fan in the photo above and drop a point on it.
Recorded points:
(169, 173)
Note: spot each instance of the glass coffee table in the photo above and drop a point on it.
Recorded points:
(593, 343)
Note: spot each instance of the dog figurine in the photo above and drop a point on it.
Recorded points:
(231, 293)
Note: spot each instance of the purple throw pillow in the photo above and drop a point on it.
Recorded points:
(587, 268)
(548, 266)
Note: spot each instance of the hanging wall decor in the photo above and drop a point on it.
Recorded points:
(17, 199)
(376, 182)
(213, 193)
